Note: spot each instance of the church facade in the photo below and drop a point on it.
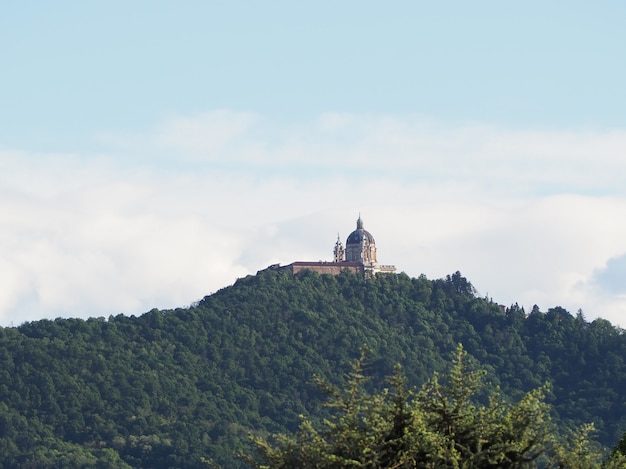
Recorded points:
(358, 256)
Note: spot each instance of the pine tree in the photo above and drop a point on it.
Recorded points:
(442, 426)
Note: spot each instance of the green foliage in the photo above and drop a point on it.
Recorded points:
(443, 426)
(170, 388)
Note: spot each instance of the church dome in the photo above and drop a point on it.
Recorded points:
(360, 235)
(360, 246)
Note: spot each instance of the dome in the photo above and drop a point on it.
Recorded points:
(360, 235)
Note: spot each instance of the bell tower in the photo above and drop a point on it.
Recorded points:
(339, 251)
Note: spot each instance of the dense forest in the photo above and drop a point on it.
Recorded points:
(175, 388)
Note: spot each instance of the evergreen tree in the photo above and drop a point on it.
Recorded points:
(442, 426)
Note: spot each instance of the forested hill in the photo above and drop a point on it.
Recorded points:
(170, 388)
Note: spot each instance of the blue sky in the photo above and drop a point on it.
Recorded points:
(153, 152)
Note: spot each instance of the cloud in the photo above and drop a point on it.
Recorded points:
(207, 135)
(408, 148)
(107, 249)
(165, 217)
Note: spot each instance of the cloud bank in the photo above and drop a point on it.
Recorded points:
(162, 218)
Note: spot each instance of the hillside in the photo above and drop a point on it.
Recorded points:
(170, 387)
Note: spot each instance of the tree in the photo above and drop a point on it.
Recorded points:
(459, 285)
(442, 426)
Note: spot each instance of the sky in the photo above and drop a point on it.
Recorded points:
(152, 152)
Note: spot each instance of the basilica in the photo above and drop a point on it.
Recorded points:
(358, 256)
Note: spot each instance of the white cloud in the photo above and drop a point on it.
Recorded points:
(169, 216)
(207, 135)
(108, 247)
(398, 146)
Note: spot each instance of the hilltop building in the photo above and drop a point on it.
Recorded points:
(358, 256)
